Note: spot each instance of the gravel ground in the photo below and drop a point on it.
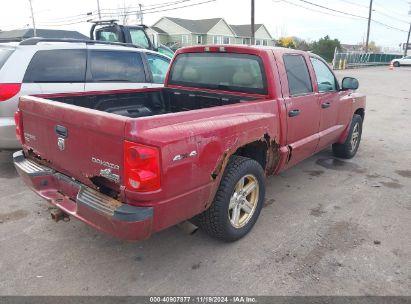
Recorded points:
(329, 227)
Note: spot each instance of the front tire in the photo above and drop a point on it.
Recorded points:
(237, 203)
(396, 64)
(350, 147)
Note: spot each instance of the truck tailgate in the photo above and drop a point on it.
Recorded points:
(81, 143)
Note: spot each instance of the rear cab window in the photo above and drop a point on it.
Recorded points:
(5, 53)
(54, 66)
(298, 76)
(116, 66)
(220, 71)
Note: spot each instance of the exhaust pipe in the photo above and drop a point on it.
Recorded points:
(57, 215)
(188, 227)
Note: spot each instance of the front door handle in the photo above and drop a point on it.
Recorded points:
(294, 113)
(325, 105)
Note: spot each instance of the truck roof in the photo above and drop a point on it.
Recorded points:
(255, 49)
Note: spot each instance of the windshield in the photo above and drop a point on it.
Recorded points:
(222, 71)
(4, 55)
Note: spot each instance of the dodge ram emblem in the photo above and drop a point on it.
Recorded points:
(60, 143)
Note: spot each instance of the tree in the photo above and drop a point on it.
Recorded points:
(325, 47)
(301, 44)
(373, 47)
(287, 42)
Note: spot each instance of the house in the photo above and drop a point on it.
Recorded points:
(350, 48)
(28, 33)
(177, 32)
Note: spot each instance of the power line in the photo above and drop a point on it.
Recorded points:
(353, 15)
(131, 13)
(169, 9)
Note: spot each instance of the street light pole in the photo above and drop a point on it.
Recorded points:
(252, 22)
(368, 28)
(32, 18)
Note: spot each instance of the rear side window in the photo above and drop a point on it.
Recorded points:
(221, 71)
(299, 81)
(57, 66)
(4, 55)
(116, 66)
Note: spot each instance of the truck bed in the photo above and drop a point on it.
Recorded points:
(150, 102)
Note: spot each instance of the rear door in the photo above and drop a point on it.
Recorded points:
(115, 70)
(329, 100)
(303, 115)
(57, 70)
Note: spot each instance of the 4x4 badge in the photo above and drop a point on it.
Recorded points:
(60, 143)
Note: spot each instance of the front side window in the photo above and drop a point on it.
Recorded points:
(57, 66)
(219, 71)
(116, 66)
(139, 38)
(158, 67)
(299, 81)
(325, 78)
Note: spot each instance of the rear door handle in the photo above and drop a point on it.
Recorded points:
(294, 113)
(325, 105)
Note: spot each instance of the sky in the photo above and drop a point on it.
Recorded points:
(281, 17)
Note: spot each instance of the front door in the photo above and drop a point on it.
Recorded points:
(329, 104)
(303, 114)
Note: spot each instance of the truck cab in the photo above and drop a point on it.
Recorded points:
(110, 30)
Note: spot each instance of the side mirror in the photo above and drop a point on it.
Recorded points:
(349, 83)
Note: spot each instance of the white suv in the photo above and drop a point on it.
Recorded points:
(38, 66)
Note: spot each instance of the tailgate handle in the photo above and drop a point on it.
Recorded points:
(61, 131)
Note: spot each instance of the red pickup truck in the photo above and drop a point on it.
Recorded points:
(134, 162)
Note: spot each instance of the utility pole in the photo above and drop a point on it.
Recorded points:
(252, 22)
(98, 8)
(141, 13)
(409, 32)
(32, 18)
(368, 28)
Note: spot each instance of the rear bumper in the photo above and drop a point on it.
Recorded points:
(8, 138)
(90, 206)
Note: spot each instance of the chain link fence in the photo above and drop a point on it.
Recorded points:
(343, 61)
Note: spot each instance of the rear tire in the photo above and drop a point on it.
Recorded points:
(350, 147)
(237, 203)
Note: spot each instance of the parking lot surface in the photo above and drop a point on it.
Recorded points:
(329, 227)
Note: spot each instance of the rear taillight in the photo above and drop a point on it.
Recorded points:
(141, 167)
(19, 126)
(9, 90)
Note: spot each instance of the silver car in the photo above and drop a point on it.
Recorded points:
(38, 67)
